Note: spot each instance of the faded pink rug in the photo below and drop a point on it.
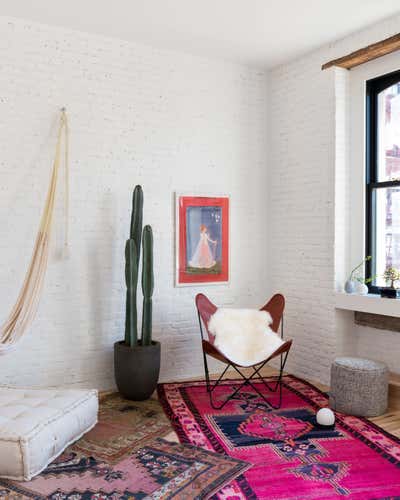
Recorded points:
(120, 459)
(292, 458)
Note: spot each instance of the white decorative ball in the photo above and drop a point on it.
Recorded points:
(325, 416)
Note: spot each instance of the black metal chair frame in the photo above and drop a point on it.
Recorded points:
(247, 381)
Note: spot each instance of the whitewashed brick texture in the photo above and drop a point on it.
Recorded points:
(168, 121)
(308, 176)
(274, 141)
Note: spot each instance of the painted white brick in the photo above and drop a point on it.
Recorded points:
(169, 121)
(173, 122)
(308, 211)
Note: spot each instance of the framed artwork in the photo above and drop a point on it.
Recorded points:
(202, 239)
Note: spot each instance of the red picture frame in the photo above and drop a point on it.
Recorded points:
(202, 239)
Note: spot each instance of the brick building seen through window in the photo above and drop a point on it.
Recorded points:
(389, 228)
(383, 175)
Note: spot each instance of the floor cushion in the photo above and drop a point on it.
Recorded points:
(359, 386)
(36, 425)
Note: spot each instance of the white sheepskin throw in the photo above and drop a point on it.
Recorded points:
(244, 335)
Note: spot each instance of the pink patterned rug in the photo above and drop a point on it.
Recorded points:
(121, 460)
(292, 458)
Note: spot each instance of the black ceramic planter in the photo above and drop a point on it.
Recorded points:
(137, 369)
(389, 292)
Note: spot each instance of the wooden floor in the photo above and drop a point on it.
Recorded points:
(390, 421)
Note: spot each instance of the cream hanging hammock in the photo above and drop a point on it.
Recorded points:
(27, 302)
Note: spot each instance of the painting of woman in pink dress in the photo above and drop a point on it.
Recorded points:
(204, 257)
(202, 240)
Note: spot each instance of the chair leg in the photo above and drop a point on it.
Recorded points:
(260, 377)
(214, 385)
(206, 372)
(231, 396)
(278, 377)
(278, 384)
(210, 387)
(246, 381)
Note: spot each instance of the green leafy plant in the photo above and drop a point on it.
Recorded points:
(354, 275)
(366, 281)
(132, 258)
(391, 274)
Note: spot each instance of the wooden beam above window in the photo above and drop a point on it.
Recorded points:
(366, 54)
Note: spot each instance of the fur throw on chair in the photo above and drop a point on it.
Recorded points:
(244, 335)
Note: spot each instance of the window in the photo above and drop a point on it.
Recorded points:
(383, 176)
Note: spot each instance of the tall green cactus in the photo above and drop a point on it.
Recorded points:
(137, 218)
(131, 278)
(147, 285)
(132, 257)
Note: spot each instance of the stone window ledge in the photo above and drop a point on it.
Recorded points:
(370, 303)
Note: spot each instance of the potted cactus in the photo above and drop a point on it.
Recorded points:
(137, 361)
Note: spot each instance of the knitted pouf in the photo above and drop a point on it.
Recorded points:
(359, 386)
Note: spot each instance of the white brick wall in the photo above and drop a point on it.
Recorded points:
(174, 123)
(307, 143)
(137, 115)
(301, 209)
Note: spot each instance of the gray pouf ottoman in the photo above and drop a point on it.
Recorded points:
(359, 386)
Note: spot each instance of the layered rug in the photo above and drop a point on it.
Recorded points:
(122, 459)
(292, 457)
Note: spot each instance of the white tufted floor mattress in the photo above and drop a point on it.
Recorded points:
(36, 425)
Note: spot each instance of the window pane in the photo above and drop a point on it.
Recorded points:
(389, 134)
(387, 231)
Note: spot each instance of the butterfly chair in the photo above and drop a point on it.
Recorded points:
(274, 307)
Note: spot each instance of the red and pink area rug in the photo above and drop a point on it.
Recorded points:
(293, 459)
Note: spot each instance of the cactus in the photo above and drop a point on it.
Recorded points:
(137, 218)
(132, 257)
(147, 284)
(131, 278)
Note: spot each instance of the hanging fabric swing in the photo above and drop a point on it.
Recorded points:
(27, 302)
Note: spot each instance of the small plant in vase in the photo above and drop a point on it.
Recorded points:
(137, 361)
(361, 285)
(391, 275)
(357, 283)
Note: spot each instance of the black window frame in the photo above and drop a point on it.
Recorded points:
(373, 88)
